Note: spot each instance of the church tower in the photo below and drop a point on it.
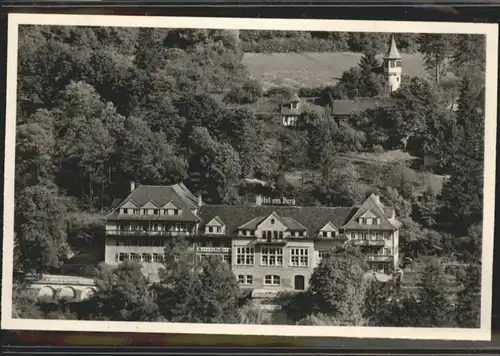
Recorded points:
(392, 66)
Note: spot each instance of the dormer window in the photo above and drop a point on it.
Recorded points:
(215, 226)
(125, 211)
(294, 105)
(328, 230)
(156, 211)
(137, 211)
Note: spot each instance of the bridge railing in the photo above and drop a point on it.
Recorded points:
(61, 279)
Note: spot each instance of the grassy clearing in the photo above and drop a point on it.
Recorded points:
(364, 161)
(307, 70)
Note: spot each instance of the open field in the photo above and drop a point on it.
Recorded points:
(309, 70)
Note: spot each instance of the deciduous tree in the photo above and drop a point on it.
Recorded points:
(123, 294)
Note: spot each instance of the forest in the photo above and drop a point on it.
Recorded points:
(98, 107)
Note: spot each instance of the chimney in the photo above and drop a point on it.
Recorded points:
(132, 186)
(258, 200)
(200, 200)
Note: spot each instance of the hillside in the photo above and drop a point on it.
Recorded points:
(313, 69)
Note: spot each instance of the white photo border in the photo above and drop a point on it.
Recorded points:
(489, 30)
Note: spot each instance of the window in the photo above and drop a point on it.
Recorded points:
(122, 257)
(137, 211)
(218, 229)
(210, 229)
(135, 257)
(386, 236)
(146, 257)
(156, 257)
(272, 221)
(299, 257)
(156, 211)
(176, 211)
(244, 256)
(245, 279)
(125, 211)
(325, 233)
(272, 257)
(387, 251)
(272, 280)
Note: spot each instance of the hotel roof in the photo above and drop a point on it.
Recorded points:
(160, 195)
(312, 218)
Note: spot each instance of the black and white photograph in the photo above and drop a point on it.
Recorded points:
(244, 176)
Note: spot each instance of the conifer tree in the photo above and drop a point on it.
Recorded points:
(469, 53)
(468, 309)
(435, 304)
(436, 49)
(462, 195)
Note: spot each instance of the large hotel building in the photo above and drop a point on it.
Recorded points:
(269, 247)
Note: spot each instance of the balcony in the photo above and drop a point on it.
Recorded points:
(379, 258)
(339, 237)
(278, 242)
(146, 233)
(359, 242)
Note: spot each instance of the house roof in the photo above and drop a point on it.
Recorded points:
(312, 218)
(357, 106)
(372, 204)
(293, 224)
(160, 195)
(294, 98)
(392, 52)
(305, 105)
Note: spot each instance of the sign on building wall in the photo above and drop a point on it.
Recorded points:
(278, 201)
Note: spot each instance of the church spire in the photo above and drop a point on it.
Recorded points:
(392, 52)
